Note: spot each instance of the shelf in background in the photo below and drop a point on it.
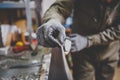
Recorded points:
(9, 5)
(15, 5)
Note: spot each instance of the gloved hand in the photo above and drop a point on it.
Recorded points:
(78, 42)
(51, 33)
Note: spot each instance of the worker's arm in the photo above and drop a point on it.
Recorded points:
(52, 24)
(106, 36)
(60, 10)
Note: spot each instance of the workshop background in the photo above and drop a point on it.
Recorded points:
(21, 58)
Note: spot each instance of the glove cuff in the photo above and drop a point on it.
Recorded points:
(93, 40)
(89, 41)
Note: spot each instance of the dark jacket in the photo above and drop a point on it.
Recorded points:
(99, 21)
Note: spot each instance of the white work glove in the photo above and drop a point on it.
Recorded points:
(78, 42)
(51, 33)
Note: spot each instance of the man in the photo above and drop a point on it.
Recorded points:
(95, 46)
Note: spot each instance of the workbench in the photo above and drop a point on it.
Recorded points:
(22, 67)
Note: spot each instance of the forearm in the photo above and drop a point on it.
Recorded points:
(104, 37)
(60, 10)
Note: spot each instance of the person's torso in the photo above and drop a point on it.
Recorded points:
(90, 16)
(89, 19)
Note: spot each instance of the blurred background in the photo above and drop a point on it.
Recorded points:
(19, 17)
(20, 56)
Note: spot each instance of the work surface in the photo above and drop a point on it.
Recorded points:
(23, 67)
(32, 71)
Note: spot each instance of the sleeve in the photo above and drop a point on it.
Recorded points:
(104, 37)
(60, 10)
